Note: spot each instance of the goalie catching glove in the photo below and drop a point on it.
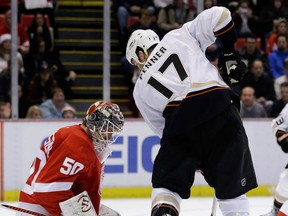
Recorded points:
(232, 68)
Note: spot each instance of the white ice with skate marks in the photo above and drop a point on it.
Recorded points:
(191, 207)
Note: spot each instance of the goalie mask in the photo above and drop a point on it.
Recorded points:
(143, 39)
(105, 122)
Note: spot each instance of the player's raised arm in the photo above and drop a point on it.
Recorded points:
(216, 23)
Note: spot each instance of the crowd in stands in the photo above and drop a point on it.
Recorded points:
(43, 82)
(262, 42)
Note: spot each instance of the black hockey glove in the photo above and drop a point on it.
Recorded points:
(232, 68)
(284, 144)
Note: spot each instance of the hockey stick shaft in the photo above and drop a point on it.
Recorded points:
(214, 206)
(22, 210)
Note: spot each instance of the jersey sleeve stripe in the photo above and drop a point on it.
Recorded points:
(222, 31)
(47, 187)
(193, 94)
(52, 187)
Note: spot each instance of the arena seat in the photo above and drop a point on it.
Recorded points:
(27, 20)
(2, 19)
(240, 43)
(132, 20)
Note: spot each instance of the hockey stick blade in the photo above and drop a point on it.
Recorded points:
(22, 210)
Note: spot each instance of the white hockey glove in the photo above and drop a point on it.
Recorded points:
(232, 68)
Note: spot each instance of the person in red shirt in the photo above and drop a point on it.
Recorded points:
(23, 37)
(72, 161)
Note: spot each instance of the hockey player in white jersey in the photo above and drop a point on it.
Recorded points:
(280, 130)
(186, 102)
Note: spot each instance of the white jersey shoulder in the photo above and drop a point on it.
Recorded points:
(177, 66)
(281, 121)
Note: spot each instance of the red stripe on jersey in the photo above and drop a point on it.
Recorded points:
(194, 94)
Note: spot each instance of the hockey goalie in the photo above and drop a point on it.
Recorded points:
(65, 178)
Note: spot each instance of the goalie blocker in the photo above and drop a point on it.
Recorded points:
(81, 205)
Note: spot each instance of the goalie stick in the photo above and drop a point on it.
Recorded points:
(22, 210)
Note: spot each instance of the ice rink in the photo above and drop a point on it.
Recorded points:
(190, 207)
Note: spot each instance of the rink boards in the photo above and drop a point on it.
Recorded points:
(128, 170)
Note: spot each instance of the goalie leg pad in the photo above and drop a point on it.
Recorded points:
(236, 206)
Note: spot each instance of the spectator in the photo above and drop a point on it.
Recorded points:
(174, 15)
(279, 104)
(38, 29)
(34, 112)
(162, 3)
(5, 110)
(250, 108)
(276, 58)
(5, 53)
(64, 78)
(244, 19)
(261, 82)
(126, 8)
(209, 3)
(41, 86)
(68, 112)
(49, 10)
(22, 102)
(280, 28)
(250, 51)
(24, 43)
(51, 108)
(5, 82)
(281, 79)
(275, 9)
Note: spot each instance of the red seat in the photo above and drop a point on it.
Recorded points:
(132, 20)
(2, 19)
(240, 43)
(27, 20)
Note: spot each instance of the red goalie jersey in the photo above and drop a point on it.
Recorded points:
(66, 166)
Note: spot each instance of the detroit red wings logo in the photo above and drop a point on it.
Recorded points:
(85, 203)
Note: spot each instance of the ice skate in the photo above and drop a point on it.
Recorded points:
(273, 212)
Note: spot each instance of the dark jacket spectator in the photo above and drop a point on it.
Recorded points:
(278, 105)
(38, 29)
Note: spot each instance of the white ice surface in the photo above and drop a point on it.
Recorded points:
(190, 207)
